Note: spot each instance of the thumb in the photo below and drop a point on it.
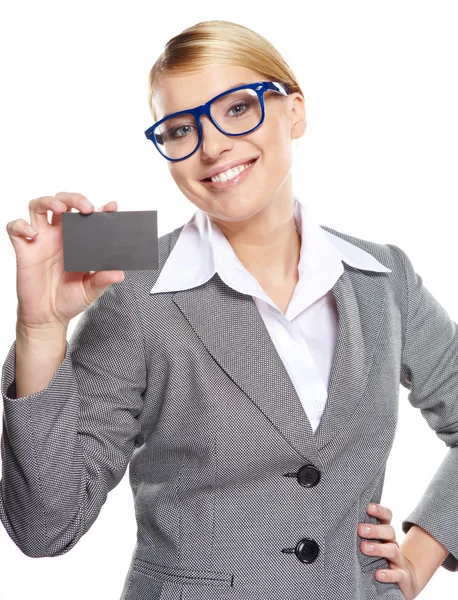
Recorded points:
(97, 282)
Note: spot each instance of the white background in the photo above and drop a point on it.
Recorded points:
(378, 161)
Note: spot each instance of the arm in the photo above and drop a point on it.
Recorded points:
(66, 446)
(424, 552)
(429, 370)
(39, 354)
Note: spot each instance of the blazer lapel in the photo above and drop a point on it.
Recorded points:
(230, 327)
(360, 299)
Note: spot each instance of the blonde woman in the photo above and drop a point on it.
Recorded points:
(250, 383)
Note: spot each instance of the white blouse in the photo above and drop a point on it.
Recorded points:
(305, 336)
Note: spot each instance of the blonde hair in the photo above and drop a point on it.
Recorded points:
(223, 43)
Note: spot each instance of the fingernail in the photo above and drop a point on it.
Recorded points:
(30, 230)
(86, 203)
(373, 507)
(369, 547)
(365, 529)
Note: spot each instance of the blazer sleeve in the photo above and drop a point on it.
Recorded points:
(65, 447)
(429, 369)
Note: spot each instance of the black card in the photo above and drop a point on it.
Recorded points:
(101, 241)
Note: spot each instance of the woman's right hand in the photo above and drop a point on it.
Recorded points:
(47, 295)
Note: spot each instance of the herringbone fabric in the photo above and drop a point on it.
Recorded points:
(188, 388)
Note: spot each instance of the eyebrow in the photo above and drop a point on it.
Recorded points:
(185, 109)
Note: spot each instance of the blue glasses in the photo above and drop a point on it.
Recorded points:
(237, 111)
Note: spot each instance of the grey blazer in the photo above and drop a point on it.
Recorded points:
(235, 497)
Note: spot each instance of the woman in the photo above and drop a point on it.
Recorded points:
(251, 382)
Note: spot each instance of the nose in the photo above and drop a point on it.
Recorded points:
(213, 141)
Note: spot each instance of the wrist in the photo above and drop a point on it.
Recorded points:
(41, 333)
(424, 553)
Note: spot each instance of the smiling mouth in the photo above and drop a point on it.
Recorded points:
(231, 173)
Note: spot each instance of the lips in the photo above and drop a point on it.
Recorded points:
(230, 184)
(224, 168)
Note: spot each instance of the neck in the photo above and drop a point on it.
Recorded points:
(268, 245)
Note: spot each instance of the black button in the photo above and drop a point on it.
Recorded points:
(308, 476)
(306, 550)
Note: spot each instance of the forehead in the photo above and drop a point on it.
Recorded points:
(187, 90)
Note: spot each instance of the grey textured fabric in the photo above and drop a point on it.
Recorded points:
(188, 388)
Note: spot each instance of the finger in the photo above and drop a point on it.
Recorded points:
(78, 201)
(19, 230)
(382, 513)
(379, 532)
(38, 210)
(110, 207)
(96, 282)
(39, 207)
(391, 575)
(74, 200)
(388, 550)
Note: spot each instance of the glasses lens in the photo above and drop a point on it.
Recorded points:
(177, 136)
(235, 112)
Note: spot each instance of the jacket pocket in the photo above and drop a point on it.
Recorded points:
(183, 575)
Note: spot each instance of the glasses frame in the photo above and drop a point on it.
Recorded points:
(259, 87)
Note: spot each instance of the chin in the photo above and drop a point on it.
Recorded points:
(238, 213)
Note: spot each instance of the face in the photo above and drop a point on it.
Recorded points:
(264, 188)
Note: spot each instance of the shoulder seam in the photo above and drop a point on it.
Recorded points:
(398, 251)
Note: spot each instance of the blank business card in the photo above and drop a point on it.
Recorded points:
(101, 241)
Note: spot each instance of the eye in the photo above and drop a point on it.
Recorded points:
(182, 130)
(179, 131)
(239, 108)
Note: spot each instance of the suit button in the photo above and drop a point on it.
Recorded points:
(306, 550)
(308, 476)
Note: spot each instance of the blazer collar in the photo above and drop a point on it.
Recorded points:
(202, 250)
(237, 339)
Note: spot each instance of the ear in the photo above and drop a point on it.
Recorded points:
(298, 122)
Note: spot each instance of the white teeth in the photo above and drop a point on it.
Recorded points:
(230, 173)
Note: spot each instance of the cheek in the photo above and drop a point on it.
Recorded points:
(279, 156)
(276, 141)
(186, 180)
(180, 174)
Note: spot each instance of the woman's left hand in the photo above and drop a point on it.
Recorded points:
(402, 570)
